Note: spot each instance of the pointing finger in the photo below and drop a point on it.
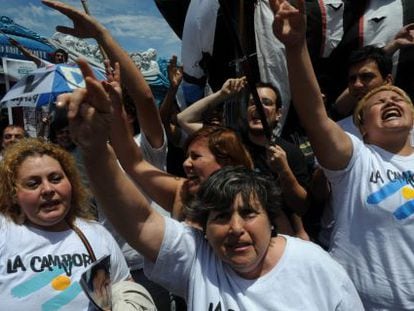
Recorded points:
(85, 68)
(98, 97)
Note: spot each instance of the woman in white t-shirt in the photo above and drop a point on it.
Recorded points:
(371, 179)
(44, 213)
(237, 261)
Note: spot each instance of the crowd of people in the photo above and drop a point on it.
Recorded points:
(232, 229)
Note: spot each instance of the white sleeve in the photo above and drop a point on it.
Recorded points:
(176, 257)
(155, 156)
(350, 298)
(358, 149)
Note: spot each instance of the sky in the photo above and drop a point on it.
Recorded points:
(136, 24)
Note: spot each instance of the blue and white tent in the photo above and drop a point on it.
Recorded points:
(37, 44)
(42, 86)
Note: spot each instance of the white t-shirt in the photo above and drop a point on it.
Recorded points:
(155, 156)
(158, 158)
(373, 237)
(348, 125)
(305, 278)
(40, 270)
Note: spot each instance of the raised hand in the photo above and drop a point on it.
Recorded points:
(113, 85)
(405, 37)
(112, 74)
(175, 73)
(276, 159)
(84, 26)
(289, 24)
(232, 87)
(89, 112)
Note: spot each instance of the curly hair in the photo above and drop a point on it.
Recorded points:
(219, 191)
(224, 144)
(13, 158)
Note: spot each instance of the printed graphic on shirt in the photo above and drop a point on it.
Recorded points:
(217, 307)
(395, 183)
(50, 272)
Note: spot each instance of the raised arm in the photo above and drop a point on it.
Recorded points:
(331, 145)
(26, 52)
(404, 38)
(159, 185)
(345, 104)
(168, 109)
(85, 26)
(90, 116)
(190, 119)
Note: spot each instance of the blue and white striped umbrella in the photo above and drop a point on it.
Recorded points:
(42, 86)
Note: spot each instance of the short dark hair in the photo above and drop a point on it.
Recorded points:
(219, 191)
(58, 121)
(274, 89)
(65, 54)
(376, 54)
(14, 126)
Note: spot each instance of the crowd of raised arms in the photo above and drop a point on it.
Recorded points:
(324, 221)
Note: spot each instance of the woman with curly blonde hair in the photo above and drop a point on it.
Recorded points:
(13, 159)
(48, 237)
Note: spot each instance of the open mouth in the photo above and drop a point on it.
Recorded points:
(256, 118)
(390, 114)
(50, 204)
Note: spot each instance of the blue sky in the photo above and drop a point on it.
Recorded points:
(136, 24)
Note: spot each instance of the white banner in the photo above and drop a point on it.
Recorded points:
(15, 69)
